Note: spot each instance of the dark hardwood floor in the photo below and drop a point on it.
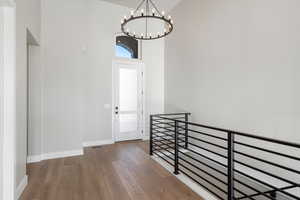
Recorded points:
(121, 171)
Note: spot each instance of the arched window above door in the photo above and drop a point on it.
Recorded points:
(126, 47)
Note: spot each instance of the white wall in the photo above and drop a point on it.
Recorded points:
(77, 47)
(28, 17)
(103, 21)
(235, 65)
(35, 101)
(1, 99)
(63, 36)
(101, 49)
(154, 57)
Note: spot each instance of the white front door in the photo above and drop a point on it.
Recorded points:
(128, 100)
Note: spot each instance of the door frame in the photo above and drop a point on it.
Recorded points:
(143, 81)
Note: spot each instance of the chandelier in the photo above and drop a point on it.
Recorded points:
(146, 11)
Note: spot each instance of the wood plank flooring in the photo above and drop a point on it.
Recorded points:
(121, 171)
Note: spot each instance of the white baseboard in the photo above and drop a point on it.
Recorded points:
(186, 180)
(21, 187)
(34, 159)
(97, 143)
(62, 154)
(54, 155)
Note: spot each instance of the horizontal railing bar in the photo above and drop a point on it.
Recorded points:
(206, 157)
(169, 123)
(178, 118)
(203, 163)
(163, 120)
(159, 122)
(165, 155)
(169, 114)
(160, 148)
(156, 131)
(268, 162)
(219, 188)
(161, 143)
(162, 127)
(241, 134)
(225, 183)
(267, 192)
(155, 140)
(209, 135)
(194, 138)
(206, 165)
(263, 183)
(220, 173)
(195, 145)
(265, 172)
(167, 128)
(170, 137)
(202, 185)
(163, 138)
(157, 128)
(163, 158)
(165, 144)
(266, 150)
(171, 153)
(254, 189)
(169, 144)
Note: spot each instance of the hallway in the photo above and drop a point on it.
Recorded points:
(121, 171)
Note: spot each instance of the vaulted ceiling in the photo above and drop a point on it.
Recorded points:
(165, 5)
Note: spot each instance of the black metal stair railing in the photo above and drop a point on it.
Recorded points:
(229, 164)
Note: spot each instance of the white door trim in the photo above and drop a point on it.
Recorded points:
(8, 101)
(143, 85)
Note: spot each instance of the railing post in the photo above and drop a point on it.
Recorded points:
(230, 166)
(176, 172)
(186, 131)
(151, 135)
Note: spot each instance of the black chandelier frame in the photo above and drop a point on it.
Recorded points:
(147, 15)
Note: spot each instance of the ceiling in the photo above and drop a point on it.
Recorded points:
(163, 5)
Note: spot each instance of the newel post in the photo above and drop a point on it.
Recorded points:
(176, 171)
(230, 166)
(151, 135)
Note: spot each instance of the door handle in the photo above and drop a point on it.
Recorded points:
(117, 110)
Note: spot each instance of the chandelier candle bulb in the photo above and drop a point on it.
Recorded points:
(163, 13)
(132, 13)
